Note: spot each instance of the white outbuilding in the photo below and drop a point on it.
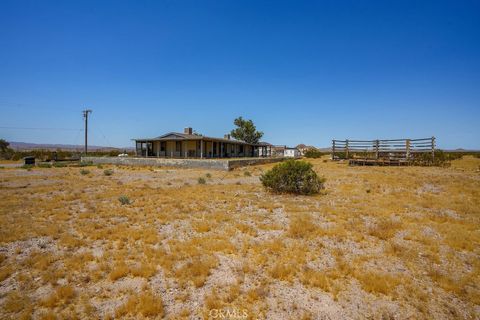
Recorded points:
(291, 153)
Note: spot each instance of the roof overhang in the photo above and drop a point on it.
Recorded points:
(175, 136)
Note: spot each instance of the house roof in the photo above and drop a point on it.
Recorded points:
(184, 136)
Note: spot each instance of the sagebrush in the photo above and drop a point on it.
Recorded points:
(297, 177)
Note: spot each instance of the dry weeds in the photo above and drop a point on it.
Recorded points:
(379, 242)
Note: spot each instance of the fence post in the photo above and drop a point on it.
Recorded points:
(346, 149)
(333, 149)
(376, 149)
(433, 149)
(407, 145)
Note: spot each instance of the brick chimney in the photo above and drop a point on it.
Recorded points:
(226, 136)
(188, 130)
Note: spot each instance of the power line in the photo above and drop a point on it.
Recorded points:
(26, 128)
(104, 137)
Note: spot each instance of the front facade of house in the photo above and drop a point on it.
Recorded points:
(191, 145)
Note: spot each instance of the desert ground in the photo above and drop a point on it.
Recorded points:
(376, 243)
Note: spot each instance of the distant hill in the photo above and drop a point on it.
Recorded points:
(303, 146)
(25, 146)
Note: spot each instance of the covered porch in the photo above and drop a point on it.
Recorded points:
(199, 148)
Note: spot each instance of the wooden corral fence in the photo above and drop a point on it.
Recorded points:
(384, 152)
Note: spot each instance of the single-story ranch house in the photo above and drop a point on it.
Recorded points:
(192, 145)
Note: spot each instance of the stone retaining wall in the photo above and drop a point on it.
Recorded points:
(215, 164)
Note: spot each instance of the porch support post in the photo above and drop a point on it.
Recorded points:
(201, 148)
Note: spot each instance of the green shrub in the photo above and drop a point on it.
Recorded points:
(440, 158)
(84, 172)
(124, 200)
(44, 165)
(341, 155)
(85, 163)
(313, 153)
(297, 177)
(108, 172)
(208, 175)
(202, 180)
(247, 174)
(99, 166)
(27, 166)
(59, 165)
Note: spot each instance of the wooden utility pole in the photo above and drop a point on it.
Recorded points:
(85, 117)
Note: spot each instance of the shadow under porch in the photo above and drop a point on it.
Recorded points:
(199, 149)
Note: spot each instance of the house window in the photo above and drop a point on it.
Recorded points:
(163, 146)
(241, 148)
(178, 146)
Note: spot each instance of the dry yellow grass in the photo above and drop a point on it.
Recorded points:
(62, 295)
(402, 238)
(145, 304)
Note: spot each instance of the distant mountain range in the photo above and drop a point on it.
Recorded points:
(25, 146)
(20, 146)
(303, 146)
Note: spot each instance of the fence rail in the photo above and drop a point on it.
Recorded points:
(392, 151)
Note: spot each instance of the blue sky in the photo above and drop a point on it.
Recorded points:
(303, 71)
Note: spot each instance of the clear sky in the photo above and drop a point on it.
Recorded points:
(303, 71)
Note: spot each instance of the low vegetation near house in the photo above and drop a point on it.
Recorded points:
(293, 176)
(124, 200)
(314, 153)
(380, 243)
(7, 153)
(59, 165)
(44, 165)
